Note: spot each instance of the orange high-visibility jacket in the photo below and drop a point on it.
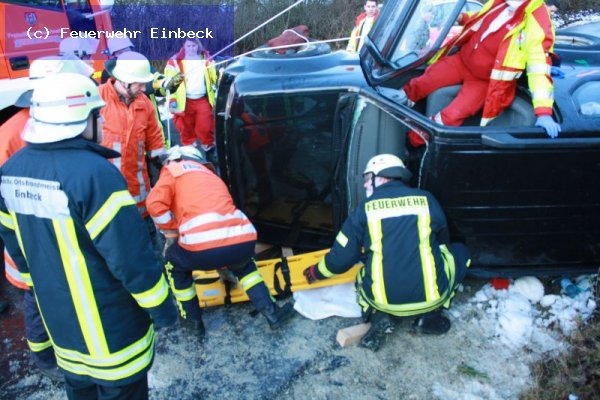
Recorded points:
(10, 143)
(190, 198)
(133, 131)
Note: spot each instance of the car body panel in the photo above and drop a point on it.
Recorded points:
(522, 202)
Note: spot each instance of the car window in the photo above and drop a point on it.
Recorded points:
(286, 146)
(587, 98)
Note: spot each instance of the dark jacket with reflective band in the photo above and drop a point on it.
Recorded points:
(408, 269)
(76, 234)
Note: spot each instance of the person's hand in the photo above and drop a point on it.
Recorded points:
(551, 127)
(557, 73)
(310, 274)
(172, 83)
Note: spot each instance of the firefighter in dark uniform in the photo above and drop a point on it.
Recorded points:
(401, 235)
(78, 240)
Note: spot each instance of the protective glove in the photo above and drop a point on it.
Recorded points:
(551, 127)
(225, 275)
(172, 83)
(557, 73)
(310, 274)
(170, 239)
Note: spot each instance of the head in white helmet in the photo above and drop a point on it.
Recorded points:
(117, 46)
(381, 169)
(64, 106)
(82, 48)
(132, 72)
(46, 66)
(191, 153)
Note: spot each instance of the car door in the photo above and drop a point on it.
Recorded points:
(523, 203)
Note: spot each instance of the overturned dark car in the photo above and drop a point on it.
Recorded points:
(295, 132)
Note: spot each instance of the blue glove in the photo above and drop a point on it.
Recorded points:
(551, 127)
(556, 72)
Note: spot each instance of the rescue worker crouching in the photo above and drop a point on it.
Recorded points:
(205, 231)
(77, 238)
(410, 266)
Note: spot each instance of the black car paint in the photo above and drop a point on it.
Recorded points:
(524, 203)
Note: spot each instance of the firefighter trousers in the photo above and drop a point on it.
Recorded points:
(450, 71)
(239, 259)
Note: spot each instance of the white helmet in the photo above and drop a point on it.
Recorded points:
(60, 106)
(46, 66)
(388, 166)
(132, 67)
(184, 152)
(116, 44)
(78, 46)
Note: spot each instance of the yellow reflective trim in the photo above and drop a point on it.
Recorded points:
(322, 267)
(185, 294)
(109, 360)
(155, 296)
(6, 220)
(250, 280)
(427, 260)
(132, 366)
(378, 286)
(26, 277)
(80, 286)
(341, 239)
(41, 346)
(107, 212)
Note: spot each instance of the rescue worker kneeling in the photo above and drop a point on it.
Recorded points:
(191, 203)
(410, 267)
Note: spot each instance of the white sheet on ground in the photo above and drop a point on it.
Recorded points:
(338, 300)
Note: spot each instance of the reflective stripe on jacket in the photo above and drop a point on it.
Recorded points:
(132, 131)
(190, 198)
(175, 66)
(526, 46)
(71, 225)
(403, 230)
(12, 273)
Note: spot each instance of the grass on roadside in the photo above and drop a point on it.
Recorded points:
(576, 372)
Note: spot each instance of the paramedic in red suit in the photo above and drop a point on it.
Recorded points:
(497, 44)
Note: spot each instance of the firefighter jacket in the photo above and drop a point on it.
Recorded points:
(190, 198)
(407, 269)
(177, 100)
(134, 132)
(527, 46)
(361, 29)
(74, 232)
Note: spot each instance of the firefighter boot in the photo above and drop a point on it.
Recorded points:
(433, 323)
(277, 316)
(196, 327)
(381, 325)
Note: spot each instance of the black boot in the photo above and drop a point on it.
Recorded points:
(196, 327)
(433, 323)
(277, 316)
(381, 324)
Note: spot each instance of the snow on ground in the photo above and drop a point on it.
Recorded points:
(496, 335)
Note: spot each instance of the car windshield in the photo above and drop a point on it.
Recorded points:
(423, 31)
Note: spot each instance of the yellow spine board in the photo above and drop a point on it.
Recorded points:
(212, 292)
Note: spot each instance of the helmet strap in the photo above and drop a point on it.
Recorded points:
(95, 130)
